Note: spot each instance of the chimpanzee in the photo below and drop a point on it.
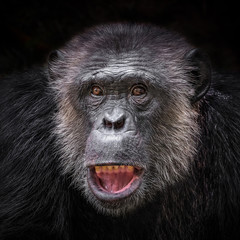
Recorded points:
(125, 134)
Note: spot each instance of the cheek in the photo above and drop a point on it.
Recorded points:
(172, 141)
(71, 132)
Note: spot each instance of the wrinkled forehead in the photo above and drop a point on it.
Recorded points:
(120, 72)
(127, 66)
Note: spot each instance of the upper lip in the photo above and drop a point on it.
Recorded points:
(112, 163)
(115, 164)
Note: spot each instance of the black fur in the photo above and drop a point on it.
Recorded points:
(37, 201)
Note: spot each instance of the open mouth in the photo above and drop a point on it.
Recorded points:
(109, 182)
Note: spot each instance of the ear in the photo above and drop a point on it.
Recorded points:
(200, 74)
(52, 58)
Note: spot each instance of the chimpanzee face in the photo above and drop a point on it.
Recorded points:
(126, 121)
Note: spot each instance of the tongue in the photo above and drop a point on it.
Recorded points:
(115, 182)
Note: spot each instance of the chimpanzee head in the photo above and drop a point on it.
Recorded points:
(126, 123)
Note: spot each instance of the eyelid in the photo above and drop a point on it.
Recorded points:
(98, 86)
(140, 85)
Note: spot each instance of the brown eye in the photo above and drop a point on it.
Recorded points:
(138, 91)
(96, 91)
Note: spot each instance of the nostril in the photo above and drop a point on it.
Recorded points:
(114, 119)
(107, 123)
(115, 125)
(119, 124)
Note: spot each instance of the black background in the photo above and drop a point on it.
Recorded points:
(30, 30)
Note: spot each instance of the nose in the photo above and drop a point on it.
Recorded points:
(114, 119)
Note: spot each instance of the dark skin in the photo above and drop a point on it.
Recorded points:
(115, 108)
